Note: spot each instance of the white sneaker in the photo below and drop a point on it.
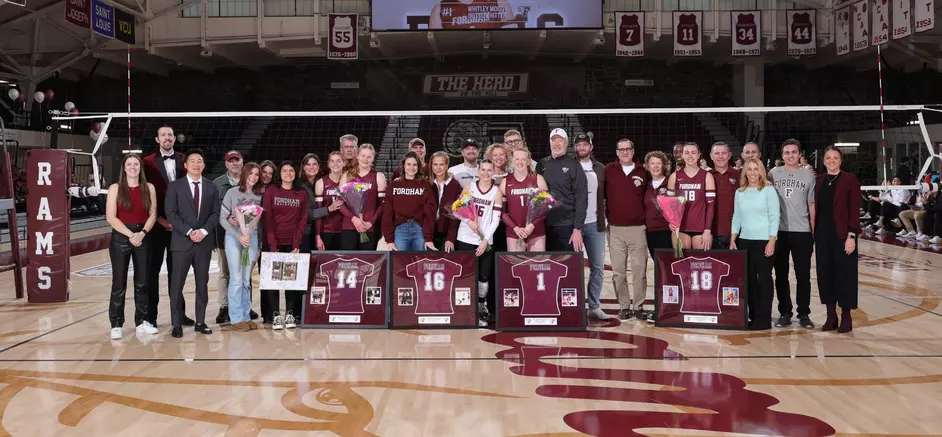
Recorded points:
(279, 322)
(290, 322)
(912, 234)
(880, 231)
(866, 216)
(935, 240)
(146, 328)
(922, 237)
(116, 333)
(902, 234)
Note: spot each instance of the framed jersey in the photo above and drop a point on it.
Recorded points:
(433, 290)
(542, 291)
(347, 289)
(705, 289)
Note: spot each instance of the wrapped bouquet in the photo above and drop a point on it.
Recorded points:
(540, 204)
(672, 207)
(354, 196)
(248, 217)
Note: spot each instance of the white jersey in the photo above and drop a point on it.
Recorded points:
(463, 174)
(484, 204)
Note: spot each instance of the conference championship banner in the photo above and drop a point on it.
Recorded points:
(540, 291)
(343, 37)
(124, 27)
(347, 290)
(433, 290)
(47, 246)
(881, 30)
(630, 41)
(842, 31)
(861, 25)
(924, 14)
(705, 289)
(902, 18)
(103, 18)
(688, 36)
(801, 32)
(78, 12)
(747, 31)
(411, 15)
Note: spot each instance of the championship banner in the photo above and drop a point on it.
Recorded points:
(78, 12)
(413, 15)
(540, 291)
(902, 20)
(124, 27)
(343, 37)
(747, 31)
(47, 250)
(347, 290)
(881, 30)
(861, 25)
(103, 18)
(630, 41)
(924, 14)
(842, 31)
(476, 85)
(284, 271)
(688, 39)
(433, 290)
(705, 289)
(802, 39)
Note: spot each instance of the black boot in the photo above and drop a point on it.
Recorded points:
(847, 323)
(223, 316)
(831, 323)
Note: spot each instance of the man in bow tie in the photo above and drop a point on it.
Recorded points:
(161, 168)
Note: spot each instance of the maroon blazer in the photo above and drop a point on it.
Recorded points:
(156, 174)
(445, 223)
(846, 203)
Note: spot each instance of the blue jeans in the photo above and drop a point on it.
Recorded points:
(408, 236)
(594, 242)
(240, 292)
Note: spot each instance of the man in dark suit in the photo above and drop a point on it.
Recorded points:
(192, 207)
(161, 168)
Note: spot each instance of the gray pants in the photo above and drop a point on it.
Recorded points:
(626, 242)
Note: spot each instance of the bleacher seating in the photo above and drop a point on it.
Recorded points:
(648, 132)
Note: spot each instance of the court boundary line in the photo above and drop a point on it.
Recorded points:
(901, 302)
(51, 331)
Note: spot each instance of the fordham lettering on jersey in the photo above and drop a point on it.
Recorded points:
(520, 191)
(691, 186)
(408, 191)
(283, 201)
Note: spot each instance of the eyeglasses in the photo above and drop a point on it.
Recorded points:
(624, 149)
(513, 142)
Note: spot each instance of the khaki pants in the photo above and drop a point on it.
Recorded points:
(222, 284)
(908, 216)
(626, 242)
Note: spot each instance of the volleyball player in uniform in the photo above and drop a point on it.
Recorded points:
(326, 192)
(516, 188)
(372, 206)
(698, 187)
(446, 189)
(476, 235)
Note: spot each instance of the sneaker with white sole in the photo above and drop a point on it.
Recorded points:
(290, 323)
(902, 234)
(935, 240)
(912, 234)
(116, 333)
(922, 237)
(279, 322)
(598, 314)
(880, 231)
(146, 328)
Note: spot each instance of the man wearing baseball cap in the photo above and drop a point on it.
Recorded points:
(223, 184)
(416, 145)
(567, 183)
(467, 172)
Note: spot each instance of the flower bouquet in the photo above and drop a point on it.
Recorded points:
(354, 196)
(672, 207)
(248, 217)
(464, 209)
(540, 204)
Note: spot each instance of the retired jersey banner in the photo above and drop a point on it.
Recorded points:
(78, 12)
(842, 31)
(347, 290)
(102, 18)
(881, 27)
(924, 14)
(801, 32)
(902, 18)
(342, 29)
(704, 289)
(747, 32)
(47, 249)
(688, 35)
(630, 42)
(540, 291)
(861, 25)
(124, 27)
(433, 290)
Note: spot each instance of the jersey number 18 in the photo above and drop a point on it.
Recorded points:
(701, 280)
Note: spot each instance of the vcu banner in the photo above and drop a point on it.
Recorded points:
(688, 33)
(47, 271)
(842, 31)
(342, 29)
(124, 27)
(801, 32)
(747, 32)
(630, 42)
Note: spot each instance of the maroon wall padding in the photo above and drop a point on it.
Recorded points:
(48, 248)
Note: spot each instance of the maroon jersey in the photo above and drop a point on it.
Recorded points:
(345, 279)
(479, 14)
(700, 280)
(372, 209)
(694, 189)
(653, 217)
(517, 201)
(801, 28)
(746, 29)
(434, 285)
(726, 185)
(629, 31)
(688, 31)
(333, 223)
(539, 283)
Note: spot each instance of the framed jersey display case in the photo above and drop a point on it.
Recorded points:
(540, 291)
(433, 290)
(347, 289)
(704, 289)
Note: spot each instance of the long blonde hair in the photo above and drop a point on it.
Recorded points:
(442, 155)
(763, 176)
(354, 171)
(513, 168)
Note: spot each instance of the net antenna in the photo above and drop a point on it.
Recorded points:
(932, 154)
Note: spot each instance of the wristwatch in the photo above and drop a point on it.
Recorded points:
(851, 235)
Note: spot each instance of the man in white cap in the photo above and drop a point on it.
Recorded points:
(467, 172)
(567, 183)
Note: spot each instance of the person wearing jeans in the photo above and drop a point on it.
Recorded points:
(626, 182)
(248, 192)
(593, 233)
(224, 183)
(409, 219)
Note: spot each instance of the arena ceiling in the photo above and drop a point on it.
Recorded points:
(36, 42)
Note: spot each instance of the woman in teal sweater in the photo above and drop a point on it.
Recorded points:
(755, 219)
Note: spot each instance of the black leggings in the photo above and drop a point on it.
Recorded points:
(332, 241)
(759, 280)
(658, 240)
(271, 300)
(350, 240)
(485, 261)
(122, 252)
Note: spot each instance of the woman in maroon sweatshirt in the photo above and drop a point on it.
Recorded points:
(409, 219)
(446, 190)
(354, 224)
(658, 232)
(285, 217)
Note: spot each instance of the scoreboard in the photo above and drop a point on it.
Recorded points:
(704, 289)
(540, 291)
(433, 290)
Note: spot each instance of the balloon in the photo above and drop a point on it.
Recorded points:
(13, 93)
(73, 111)
(69, 106)
(181, 138)
(39, 97)
(96, 127)
(93, 134)
(49, 95)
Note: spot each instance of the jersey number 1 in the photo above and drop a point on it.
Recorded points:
(701, 280)
(434, 281)
(348, 277)
(540, 282)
